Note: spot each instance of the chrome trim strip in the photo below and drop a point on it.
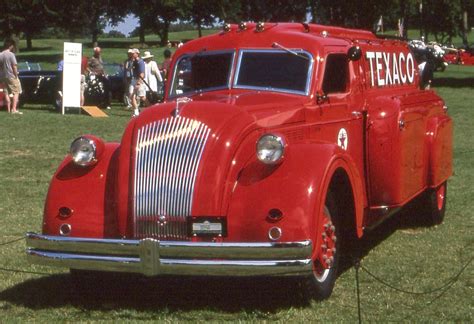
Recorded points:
(308, 76)
(152, 257)
(168, 153)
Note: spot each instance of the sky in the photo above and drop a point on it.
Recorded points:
(128, 25)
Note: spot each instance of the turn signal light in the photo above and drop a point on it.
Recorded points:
(275, 214)
(65, 212)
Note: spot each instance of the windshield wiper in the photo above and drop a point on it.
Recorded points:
(276, 45)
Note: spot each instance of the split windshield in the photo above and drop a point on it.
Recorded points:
(270, 70)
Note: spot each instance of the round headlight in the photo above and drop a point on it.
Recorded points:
(83, 151)
(270, 149)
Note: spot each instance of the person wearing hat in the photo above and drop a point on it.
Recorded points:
(137, 86)
(152, 77)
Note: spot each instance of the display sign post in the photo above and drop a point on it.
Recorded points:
(72, 75)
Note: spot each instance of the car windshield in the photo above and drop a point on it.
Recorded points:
(113, 69)
(274, 70)
(202, 71)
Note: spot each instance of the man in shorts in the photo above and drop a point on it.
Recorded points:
(9, 77)
(137, 87)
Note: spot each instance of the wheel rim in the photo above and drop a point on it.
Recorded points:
(440, 196)
(327, 249)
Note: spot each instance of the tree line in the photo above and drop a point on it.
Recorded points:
(443, 19)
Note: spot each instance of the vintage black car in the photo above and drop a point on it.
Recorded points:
(44, 87)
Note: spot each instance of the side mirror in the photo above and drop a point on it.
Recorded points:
(354, 53)
(321, 98)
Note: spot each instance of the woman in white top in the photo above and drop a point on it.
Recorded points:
(152, 74)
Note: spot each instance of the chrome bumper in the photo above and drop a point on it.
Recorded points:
(152, 257)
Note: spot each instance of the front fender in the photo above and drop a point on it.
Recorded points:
(297, 187)
(88, 193)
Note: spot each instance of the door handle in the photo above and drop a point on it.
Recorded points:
(356, 114)
(401, 124)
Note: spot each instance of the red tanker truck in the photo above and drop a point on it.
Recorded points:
(276, 144)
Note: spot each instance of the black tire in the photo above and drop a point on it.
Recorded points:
(434, 204)
(319, 285)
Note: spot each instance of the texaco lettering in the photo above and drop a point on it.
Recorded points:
(390, 68)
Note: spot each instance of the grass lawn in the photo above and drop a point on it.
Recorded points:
(408, 257)
(114, 50)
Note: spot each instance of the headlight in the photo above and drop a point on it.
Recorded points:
(270, 149)
(84, 151)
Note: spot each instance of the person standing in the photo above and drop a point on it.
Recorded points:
(84, 72)
(96, 67)
(127, 77)
(165, 66)
(9, 76)
(137, 86)
(153, 77)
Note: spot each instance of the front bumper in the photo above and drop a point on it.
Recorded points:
(152, 257)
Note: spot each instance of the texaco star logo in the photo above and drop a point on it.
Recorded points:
(342, 139)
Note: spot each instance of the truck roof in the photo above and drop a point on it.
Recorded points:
(294, 35)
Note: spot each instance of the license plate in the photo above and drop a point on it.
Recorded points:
(203, 226)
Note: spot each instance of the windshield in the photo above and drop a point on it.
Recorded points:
(202, 71)
(276, 70)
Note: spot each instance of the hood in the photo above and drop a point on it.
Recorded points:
(216, 109)
(183, 153)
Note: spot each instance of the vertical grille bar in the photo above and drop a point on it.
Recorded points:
(168, 153)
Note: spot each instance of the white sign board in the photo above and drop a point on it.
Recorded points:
(72, 75)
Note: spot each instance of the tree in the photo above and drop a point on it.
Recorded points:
(466, 21)
(202, 13)
(81, 17)
(442, 19)
(23, 16)
(360, 14)
(71, 16)
(158, 15)
(273, 10)
(9, 17)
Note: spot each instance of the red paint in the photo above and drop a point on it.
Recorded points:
(3, 102)
(396, 143)
(461, 56)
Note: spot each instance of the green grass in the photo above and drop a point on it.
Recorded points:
(411, 258)
(49, 52)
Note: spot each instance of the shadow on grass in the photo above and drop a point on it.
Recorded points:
(117, 291)
(453, 82)
(169, 293)
(407, 218)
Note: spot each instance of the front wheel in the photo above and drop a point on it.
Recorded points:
(326, 252)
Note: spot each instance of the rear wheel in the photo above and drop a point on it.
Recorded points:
(325, 252)
(434, 204)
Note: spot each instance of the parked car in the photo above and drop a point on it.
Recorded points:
(2, 97)
(44, 87)
(277, 146)
(461, 56)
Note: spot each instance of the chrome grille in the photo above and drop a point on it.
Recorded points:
(167, 159)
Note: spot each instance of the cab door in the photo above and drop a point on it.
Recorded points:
(338, 110)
